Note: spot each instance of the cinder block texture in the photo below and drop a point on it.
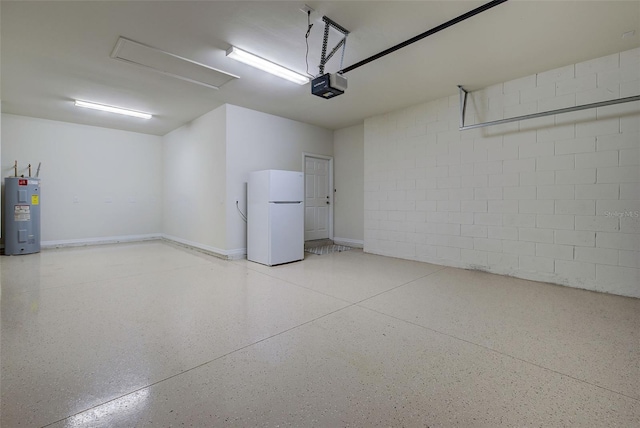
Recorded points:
(555, 199)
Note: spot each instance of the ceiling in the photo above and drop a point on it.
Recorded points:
(55, 52)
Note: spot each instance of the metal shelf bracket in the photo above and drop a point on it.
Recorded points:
(463, 108)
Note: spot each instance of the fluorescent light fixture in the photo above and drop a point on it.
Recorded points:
(265, 65)
(112, 109)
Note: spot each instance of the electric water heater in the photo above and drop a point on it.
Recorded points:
(21, 215)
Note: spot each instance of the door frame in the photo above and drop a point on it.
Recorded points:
(306, 155)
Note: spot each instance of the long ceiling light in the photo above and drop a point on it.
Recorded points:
(265, 65)
(112, 109)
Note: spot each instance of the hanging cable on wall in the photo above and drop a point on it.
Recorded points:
(244, 217)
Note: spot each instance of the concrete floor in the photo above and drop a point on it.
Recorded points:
(152, 334)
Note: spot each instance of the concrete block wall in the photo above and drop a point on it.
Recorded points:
(554, 199)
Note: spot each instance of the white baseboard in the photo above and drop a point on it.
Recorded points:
(349, 242)
(99, 241)
(235, 254)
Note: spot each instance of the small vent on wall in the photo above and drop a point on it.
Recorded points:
(169, 64)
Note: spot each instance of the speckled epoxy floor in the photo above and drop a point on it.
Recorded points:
(152, 334)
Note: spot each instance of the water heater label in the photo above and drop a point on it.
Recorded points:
(22, 182)
(22, 213)
(35, 200)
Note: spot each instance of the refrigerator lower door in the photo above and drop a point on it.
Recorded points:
(258, 232)
(286, 232)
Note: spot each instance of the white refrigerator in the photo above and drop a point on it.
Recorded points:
(275, 217)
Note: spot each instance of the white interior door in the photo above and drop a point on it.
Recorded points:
(317, 198)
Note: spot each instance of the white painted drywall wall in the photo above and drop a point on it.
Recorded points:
(348, 150)
(96, 182)
(553, 199)
(257, 141)
(1, 231)
(194, 182)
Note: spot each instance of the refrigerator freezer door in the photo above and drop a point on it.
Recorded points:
(258, 187)
(286, 186)
(286, 234)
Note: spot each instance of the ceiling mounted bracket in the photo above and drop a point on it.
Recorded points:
(329, 23)
(463, 109)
